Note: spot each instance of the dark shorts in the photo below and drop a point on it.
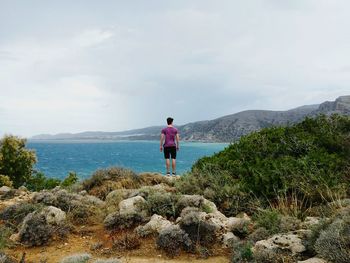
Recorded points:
(170, 151)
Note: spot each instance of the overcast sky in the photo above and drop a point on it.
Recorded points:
(72, 66)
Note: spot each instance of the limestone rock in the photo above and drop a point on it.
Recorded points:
(237, 223)
(54, 215)
(154, 226)
(4, 190)
(288, 242)
(134, 205)
(228, 239)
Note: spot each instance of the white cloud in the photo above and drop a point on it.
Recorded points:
(120, 66)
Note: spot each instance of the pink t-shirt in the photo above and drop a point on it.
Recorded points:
(170, 134)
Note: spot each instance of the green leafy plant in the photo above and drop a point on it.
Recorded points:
(38, 181)
(70, 180)
(307, 163)
(15, 160)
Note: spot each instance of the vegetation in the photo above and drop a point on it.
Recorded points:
(309, 161)
(16, 161)
(5, 181)
(70, 180)
(38, 181)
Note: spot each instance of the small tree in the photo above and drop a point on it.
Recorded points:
(15, 160)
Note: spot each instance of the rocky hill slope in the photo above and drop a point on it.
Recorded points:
(225, 129)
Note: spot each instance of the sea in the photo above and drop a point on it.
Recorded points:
(57, 158)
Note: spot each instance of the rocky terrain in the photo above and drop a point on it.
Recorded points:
(225, 129)
(114, 217)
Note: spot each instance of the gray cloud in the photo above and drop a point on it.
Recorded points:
(82, 65)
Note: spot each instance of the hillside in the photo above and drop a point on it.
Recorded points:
(224, 129)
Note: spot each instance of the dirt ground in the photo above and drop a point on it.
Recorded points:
(82, 239)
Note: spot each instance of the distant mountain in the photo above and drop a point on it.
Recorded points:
(225, 129)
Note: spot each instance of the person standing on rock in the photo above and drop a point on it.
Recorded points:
(170, 137)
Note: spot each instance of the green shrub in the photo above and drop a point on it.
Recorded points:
(70, 180)
(38, 181)
(5, 233)
(113, 174)
(242, 252)
(15, 160)
(5, 181)
(217, 185)
(162, 203)
(269, 219)
(333, 243)
(309, 160)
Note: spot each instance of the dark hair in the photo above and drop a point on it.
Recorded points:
(169, 120)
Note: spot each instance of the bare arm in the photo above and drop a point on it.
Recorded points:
(161, 141)
(177, 141)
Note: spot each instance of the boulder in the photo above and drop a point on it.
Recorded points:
(154, 226)
(291, 243)
(237, 223)
(134, 205)
(229, 239)
(4, 190)
(23, 188)
(116, 196)
(54, 215)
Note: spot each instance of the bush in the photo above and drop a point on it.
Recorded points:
(126, 242)
(117, 221)
(5, 233)
(269, 219)
(70, 180)
(172, 240)
(13, 215)
(199, 231)
(5, 181)
(16, 161)
(78, 258)
(162, 203)
(38, 181)
(260, 233)
(35, 231)
(217, 185)
(242, 252)
(310, 159)
(333, 243)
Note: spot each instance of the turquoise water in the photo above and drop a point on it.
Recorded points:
(57, 158)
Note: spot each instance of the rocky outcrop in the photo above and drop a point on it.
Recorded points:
(133, 205)
(154, 226)
(279, 245)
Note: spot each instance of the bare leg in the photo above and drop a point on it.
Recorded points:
(174, 165)
(167, 162)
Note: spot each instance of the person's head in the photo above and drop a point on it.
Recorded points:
(169, 120)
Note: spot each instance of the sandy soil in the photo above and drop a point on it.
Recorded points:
(82, 239)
